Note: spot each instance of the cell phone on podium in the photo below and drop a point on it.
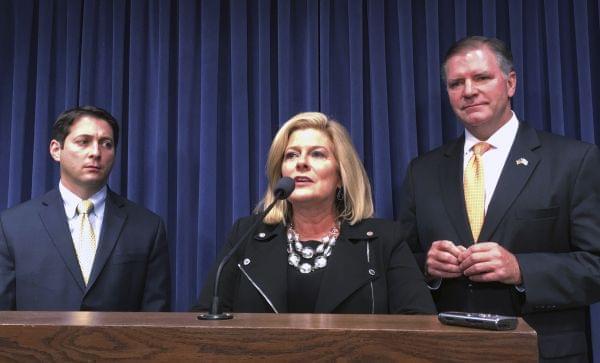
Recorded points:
(478, 320)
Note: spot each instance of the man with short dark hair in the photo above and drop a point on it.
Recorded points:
(506, 219)
(81, 246)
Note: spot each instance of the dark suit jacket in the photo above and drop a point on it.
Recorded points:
(387, 280)
(39, 269)
(546, 212)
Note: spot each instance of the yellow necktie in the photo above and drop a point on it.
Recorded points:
(86, 250)
(474, 185)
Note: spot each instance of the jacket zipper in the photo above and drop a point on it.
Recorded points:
(258, 289)
(371, 281)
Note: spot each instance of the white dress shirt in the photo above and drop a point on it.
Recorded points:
(495, 158)
(71, 200)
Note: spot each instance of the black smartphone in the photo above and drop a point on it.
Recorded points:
(478, 320)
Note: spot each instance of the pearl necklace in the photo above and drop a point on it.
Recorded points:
(319, 255)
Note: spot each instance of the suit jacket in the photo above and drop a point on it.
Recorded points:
(370, 271)
(546, 212)
(39, 269)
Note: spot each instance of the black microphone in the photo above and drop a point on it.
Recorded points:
(283, 189)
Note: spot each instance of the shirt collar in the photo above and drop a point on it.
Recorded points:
(71, 200)
(501, 139)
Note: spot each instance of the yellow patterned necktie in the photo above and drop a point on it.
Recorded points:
(86, 250)
(474, 185)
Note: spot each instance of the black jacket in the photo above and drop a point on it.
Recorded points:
(546, 211)
(370, 271)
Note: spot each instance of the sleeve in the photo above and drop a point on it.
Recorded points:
(7, 273)
(571, 278)
(407, 289)
(408, 219)
(157, 290)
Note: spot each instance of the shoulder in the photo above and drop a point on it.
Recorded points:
(265, 231)
(372, 228)
(32, 205)
(135, 210)
(430, 159)
(559, 152)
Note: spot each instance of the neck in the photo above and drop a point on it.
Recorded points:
(83, 192)
(313, 224)
(484, 132)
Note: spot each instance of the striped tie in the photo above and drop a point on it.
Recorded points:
(475, 189)
(86, 250)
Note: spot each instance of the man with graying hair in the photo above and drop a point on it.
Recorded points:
(506, 219)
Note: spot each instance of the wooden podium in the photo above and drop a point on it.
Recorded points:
(179, 337)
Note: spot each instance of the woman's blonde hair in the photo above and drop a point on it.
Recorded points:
(357, 201)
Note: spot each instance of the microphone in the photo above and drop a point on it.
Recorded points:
(284, 187)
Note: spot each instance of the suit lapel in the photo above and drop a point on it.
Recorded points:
(451, 174)
(114, 219)
(267, 264)
(340, 279)
(54, 219)
(512, 179)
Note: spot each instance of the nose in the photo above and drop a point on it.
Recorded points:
(94, 150)
(301, 162)
(469, 90)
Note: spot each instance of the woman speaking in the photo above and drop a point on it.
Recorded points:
(319, 251)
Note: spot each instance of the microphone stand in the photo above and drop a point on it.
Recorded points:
(215, 312)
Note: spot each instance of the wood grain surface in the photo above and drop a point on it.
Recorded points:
(178, 337)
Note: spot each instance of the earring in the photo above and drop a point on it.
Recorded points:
(339, 194)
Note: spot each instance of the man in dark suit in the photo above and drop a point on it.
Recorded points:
(81, 246)
(506, 219)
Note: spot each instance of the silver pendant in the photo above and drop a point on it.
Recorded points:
(308, 252)
(320, 262)
(305, 268)
(294, 259)
(320, 249)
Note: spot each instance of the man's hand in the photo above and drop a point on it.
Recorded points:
(488, 261)
(442, 259)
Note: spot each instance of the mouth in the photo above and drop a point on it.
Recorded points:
(92, 168)
(303, 179)
(468, 107)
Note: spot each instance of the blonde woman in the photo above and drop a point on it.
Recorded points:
(319, 251)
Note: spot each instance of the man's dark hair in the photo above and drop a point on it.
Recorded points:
(62, 126)
(503, 54)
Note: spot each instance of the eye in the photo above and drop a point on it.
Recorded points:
(318, 154)
(107, 144)
(454, 84)
(290, 155)
(482, 77)
(81, 142)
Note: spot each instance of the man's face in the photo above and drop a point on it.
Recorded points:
(478, 91)
(86, 157)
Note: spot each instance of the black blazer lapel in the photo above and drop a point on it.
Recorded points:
(451, 185)
(512, 179)
(341, 279)
(265, 263)
(114, 220)
(54, 219)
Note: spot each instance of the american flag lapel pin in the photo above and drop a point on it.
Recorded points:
(522, 161)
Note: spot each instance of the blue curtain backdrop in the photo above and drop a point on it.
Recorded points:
(200, 87)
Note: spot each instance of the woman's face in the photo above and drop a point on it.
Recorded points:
(310, 161)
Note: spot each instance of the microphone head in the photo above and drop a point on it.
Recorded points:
(284, 187)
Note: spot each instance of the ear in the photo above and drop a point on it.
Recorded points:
(511, 83)
(55, 150)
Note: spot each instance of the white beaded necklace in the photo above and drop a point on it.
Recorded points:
(319, 255)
